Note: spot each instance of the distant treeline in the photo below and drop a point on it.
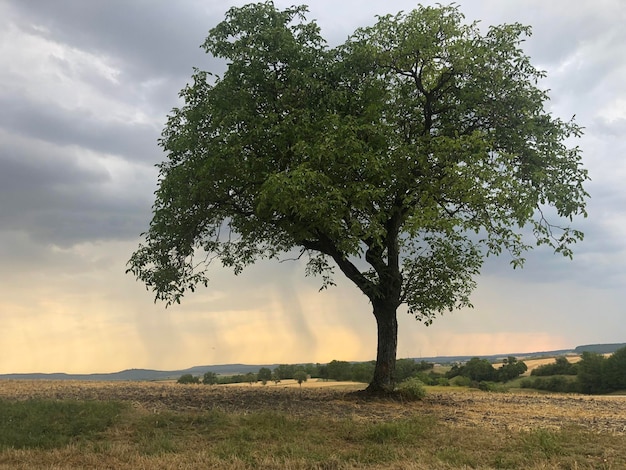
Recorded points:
(593, 374)
(481, 370)
(334, 370)
(476, 372)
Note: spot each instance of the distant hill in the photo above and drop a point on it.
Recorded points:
(232, 369)
(600, 348)
(143, 374)
(494, 357)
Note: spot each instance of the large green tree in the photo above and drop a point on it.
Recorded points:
(402, 157)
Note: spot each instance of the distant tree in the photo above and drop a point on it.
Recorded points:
(188, 379)
(402, 158)
(591, 373)
(615, 370)
(250, 377)
(511, 368)
(479, 370)
(362, 371)
(275, 377)
(339, 370)
(210, 378)
(454, 371)
(560, 366)
(406, 368)
(285, 371)
(300, 376)
(264, 375)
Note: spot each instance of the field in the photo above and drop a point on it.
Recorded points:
(167, 426)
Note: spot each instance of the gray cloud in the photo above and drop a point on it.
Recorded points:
(58, 196)
(149, 37)
(82, 128)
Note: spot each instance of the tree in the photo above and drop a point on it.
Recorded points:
(615, 370)
(511, 368)
(188, 379)
(560, 366)
(479, 370)
(300, 376)
(591, 373)
(362, 372)
(285, 371)
(406, 368)
(250, 377)
(275, 377)
(264, 375)
(339, 370)
(209, 378)
(402, 157)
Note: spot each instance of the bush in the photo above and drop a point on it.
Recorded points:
(526, 383)
(556, 383)
(412, 389)
(461, 381)
(488, 386)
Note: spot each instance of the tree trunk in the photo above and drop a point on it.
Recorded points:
(387, 324)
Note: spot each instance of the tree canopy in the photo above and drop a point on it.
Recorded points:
(402, 157)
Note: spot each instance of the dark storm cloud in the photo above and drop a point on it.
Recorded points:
(82, 128)
(57, 184)
(151, 37)
(56, 197)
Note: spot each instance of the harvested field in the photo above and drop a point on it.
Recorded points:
(141, 425)
(456, 407)
(534, 363)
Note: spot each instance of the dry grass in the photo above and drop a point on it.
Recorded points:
(171, 426)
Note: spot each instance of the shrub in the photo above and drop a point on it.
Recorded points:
(461, 381)
(412, 389)
(526, 383)
(488, 386)
(557, 383)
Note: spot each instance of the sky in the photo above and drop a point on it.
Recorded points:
(85, 90)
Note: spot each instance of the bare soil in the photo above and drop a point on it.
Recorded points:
(456, 406)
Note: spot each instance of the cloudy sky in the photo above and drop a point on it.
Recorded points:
(85, 88)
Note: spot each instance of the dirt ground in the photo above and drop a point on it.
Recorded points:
(455, 406)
